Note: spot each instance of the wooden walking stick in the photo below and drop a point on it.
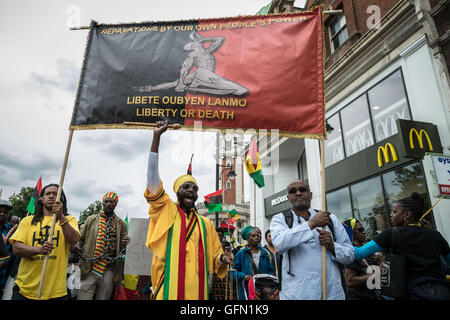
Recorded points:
(58, 198)
(324, 249)
(429, 210)
(147, 124)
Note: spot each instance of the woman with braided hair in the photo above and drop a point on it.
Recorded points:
(422, 247)
(30, 241)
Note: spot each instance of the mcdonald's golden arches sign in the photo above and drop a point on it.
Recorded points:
(383, 153)
(419, 138)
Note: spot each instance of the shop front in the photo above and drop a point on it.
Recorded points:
(366, 184)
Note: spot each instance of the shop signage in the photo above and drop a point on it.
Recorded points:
(439, 166)
(413, 132)
(419, 138)
(411, 142)
(279, 200)
(276, 203)
(384, 151)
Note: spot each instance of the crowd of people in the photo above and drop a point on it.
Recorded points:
(193, 261)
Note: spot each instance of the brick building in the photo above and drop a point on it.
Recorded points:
(230, 178)
(386, 76)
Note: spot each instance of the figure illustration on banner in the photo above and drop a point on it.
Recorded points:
(202, 79)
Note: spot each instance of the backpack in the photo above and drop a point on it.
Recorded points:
(289, 219)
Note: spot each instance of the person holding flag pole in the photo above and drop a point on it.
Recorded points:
(32, 243)
(299, 233)
(254, 169)
(185, 245)
(232, 273)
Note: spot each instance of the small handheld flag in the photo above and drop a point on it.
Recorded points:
(227, 226)
(189, 170)
(253, 164)
(33, 201)
(213, 201)
(232, 216)
(128, 225)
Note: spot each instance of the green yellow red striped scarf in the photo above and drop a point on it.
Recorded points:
(173, 278)
(99, 266)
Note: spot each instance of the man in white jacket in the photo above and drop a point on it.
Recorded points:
(301, 248)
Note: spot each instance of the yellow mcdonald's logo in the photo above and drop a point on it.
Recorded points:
(384, 151)
(419, 137)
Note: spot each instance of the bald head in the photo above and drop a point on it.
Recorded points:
(299, 195)
(15, 220)
(296, 181)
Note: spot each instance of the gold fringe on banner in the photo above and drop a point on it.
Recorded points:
(192, 128)
(210, 19)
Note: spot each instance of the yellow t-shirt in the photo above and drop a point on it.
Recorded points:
(30, 268)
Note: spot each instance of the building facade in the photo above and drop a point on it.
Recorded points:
(387, 99)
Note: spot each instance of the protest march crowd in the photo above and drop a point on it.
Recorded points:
(192, 260)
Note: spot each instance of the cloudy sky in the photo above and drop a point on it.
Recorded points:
(40, 63)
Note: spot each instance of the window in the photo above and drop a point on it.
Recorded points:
(334, 149)
(368, 119)
(401, 182)
(368, 206)
(356, 126)
(302, 168)
(338, 203)
(388, 102)
(338, 31)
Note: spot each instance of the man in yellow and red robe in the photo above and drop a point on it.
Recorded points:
(185, 245)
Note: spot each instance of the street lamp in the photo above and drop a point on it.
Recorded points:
(231, 175)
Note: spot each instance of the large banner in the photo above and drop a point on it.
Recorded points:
(253, 72)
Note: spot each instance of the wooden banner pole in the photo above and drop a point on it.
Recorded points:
(89, 27)
(147, 124)
(58, 198)
(324, 208)
(254, 201)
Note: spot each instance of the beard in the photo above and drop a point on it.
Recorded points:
(301, 204)
(183, 204)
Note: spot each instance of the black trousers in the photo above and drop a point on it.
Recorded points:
(19, 297)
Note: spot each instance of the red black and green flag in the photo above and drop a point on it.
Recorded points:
(227, 227)
(224, 72)
(189, 170)
(34, 198)
(213, 201)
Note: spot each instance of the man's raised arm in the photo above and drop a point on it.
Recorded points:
(153, 178)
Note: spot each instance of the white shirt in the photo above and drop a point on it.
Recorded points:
(306, 258)
(153, 178)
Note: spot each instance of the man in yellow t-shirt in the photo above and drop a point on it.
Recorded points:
(30, 242)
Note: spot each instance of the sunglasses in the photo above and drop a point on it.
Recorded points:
(186, 186)
(295, 190)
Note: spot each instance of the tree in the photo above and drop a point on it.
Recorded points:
(93, 208)
(19, 202)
